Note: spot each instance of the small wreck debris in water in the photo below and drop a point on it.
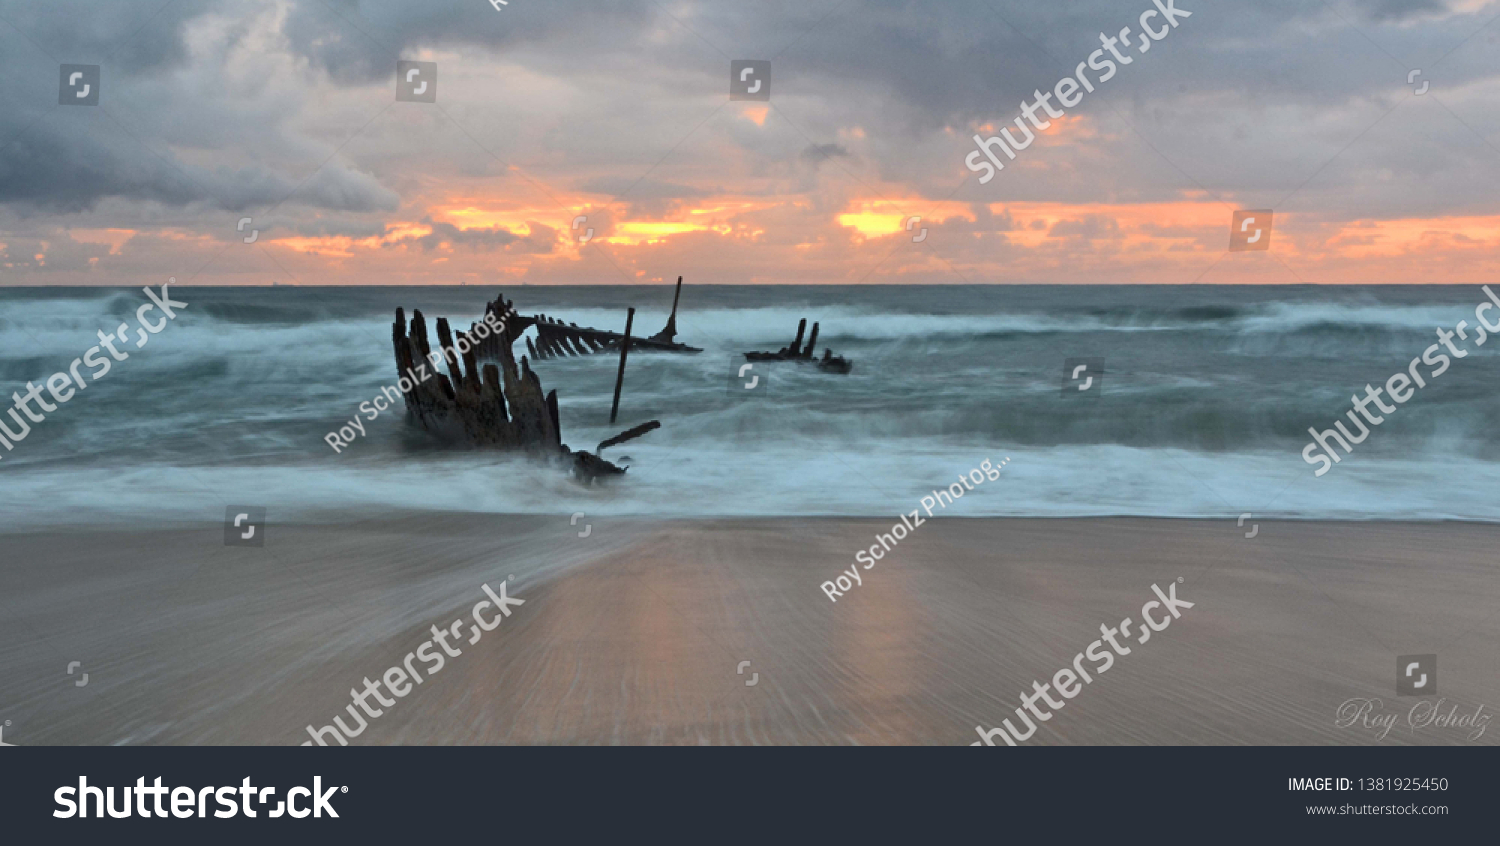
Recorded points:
(804, 355)
(502, 404)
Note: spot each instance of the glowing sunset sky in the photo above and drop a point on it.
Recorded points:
(550, 110)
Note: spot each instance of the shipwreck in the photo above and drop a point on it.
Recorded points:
(804, 354)
(555, 338)
(500, 404)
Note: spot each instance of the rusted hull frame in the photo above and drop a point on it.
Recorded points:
(555, 338)
(501, 405)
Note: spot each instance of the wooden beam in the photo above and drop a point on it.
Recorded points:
(614, 409)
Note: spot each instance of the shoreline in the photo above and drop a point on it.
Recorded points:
(636, 633)
(335, 518)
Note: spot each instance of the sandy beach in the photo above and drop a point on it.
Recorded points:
(636, 633)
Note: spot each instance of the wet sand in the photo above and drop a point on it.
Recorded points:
(635, 633)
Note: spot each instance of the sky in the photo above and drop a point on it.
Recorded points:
(596, 143)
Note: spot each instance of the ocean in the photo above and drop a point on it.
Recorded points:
(1202, 409)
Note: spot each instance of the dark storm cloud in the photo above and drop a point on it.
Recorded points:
(642, 188)
(67, 159)
(71, 167)
(131, 36)
(650, 199)
(541, 238)
(447, 233)
(358, 41)
(818, 153)
(1242, 95)
(1399, 10)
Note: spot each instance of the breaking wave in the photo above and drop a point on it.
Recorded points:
(1204, 404)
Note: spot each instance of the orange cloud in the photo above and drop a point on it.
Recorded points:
(879, 218)
(1370, 239)
(115, 238)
